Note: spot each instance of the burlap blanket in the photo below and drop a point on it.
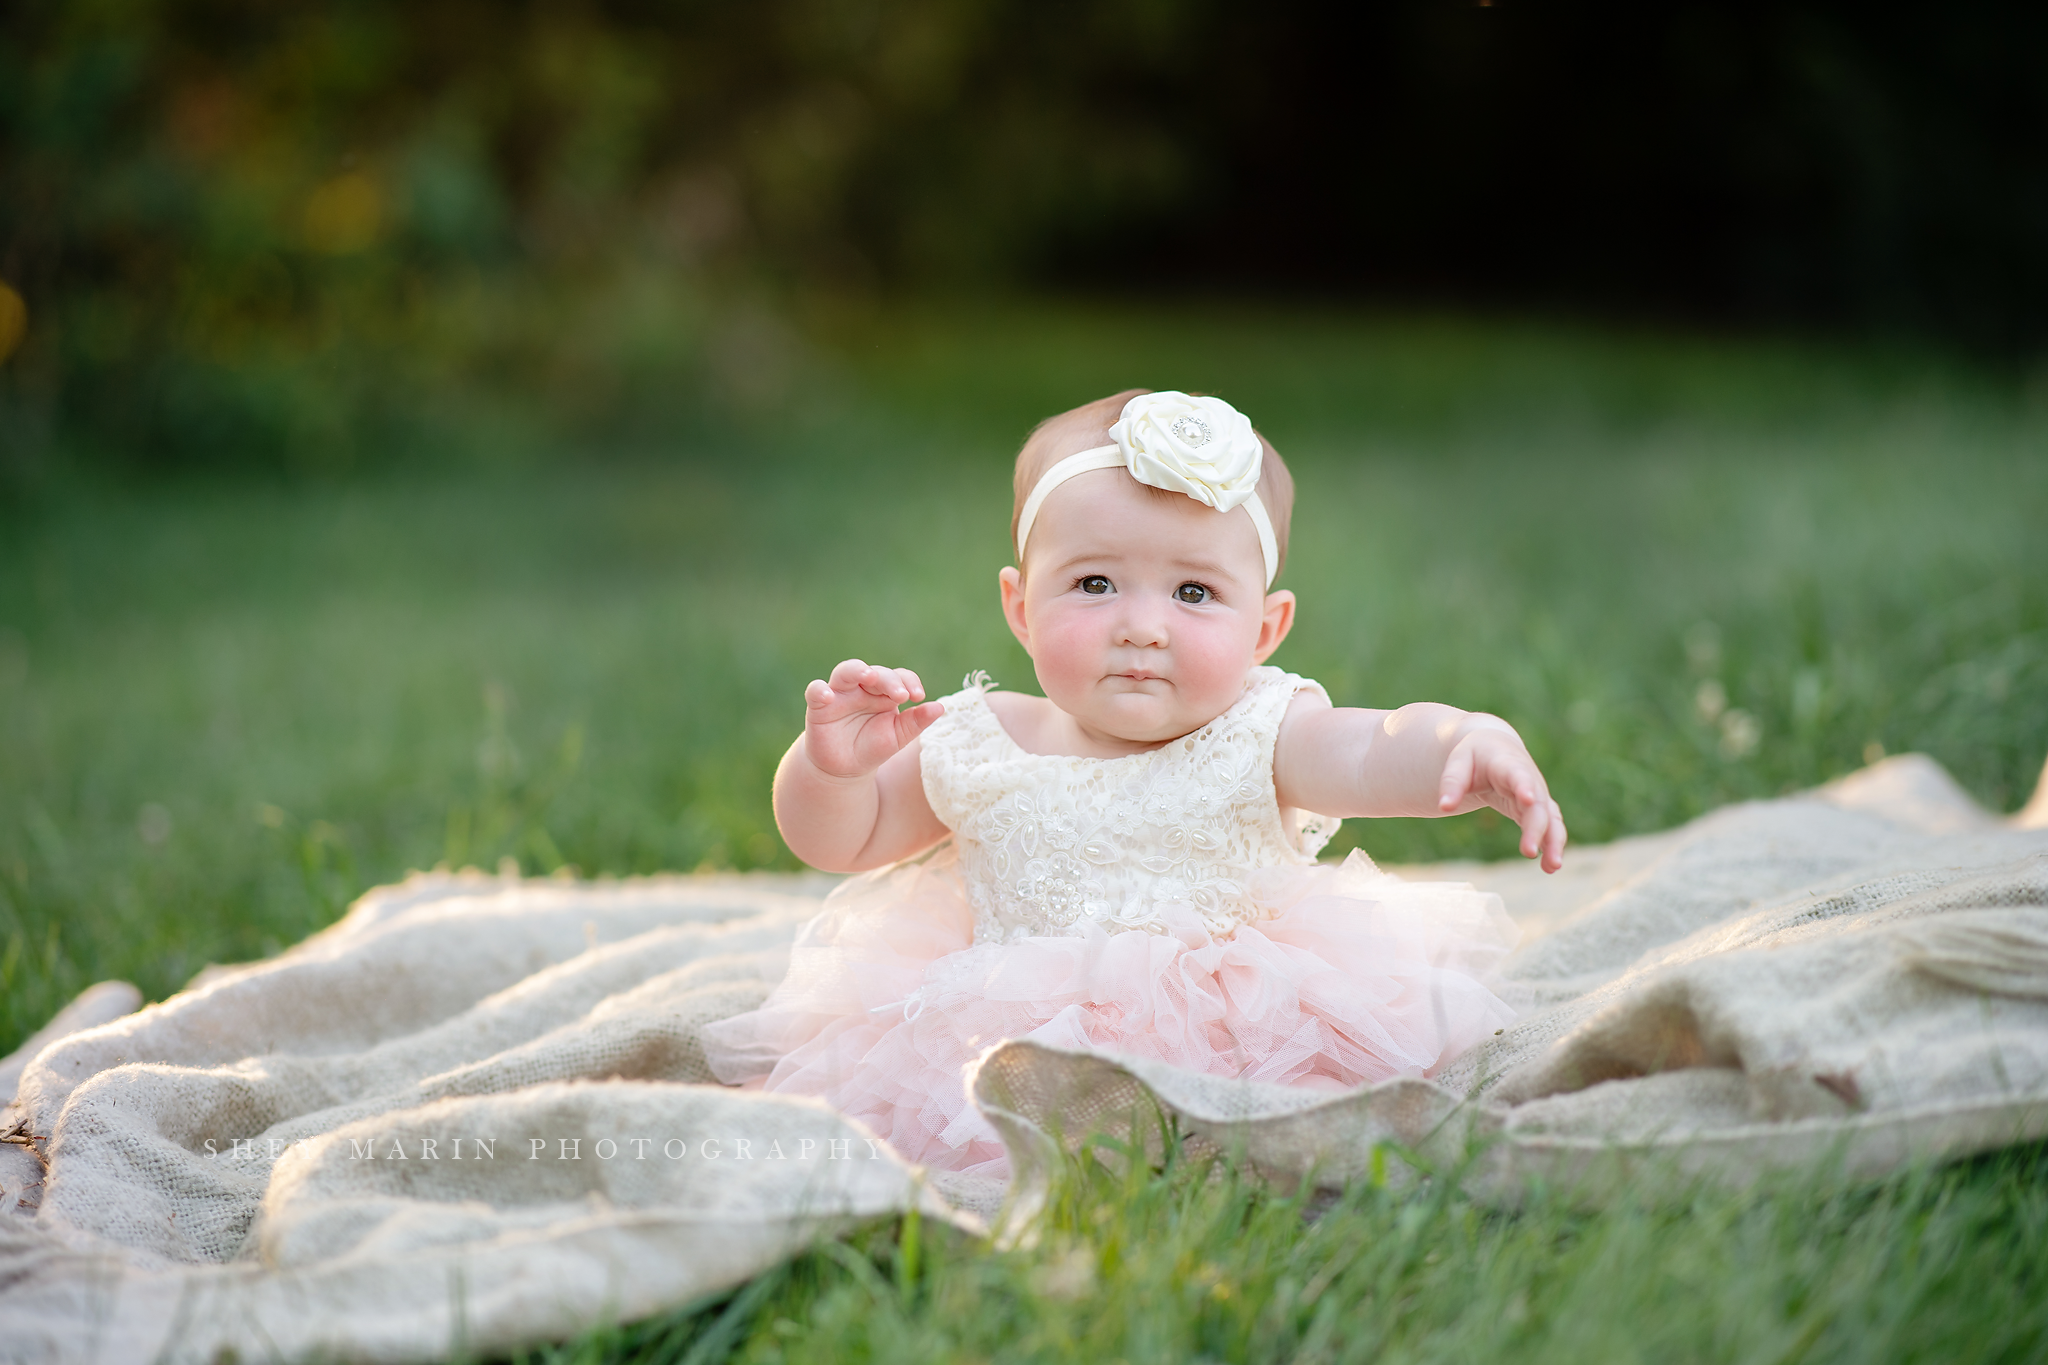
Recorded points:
(474, 1114)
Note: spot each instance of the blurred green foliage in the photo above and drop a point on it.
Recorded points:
(345, 232)
(313, 234)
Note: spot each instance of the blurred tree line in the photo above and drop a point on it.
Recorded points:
(246, 233)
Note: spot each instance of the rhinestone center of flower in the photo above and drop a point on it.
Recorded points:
(1192, 431)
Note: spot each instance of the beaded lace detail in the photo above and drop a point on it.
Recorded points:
(1049, 843)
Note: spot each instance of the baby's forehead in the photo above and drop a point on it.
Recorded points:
(1070, 433)
(1108, 512)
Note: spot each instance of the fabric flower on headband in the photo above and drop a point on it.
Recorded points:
(1202, 447)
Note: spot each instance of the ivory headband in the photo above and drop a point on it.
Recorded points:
(1202, 447)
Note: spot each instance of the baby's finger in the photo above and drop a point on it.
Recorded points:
(1535, 821)
(1525, 785)
(1457, 779)
(818, 695)
(1554, 840)
(918, 719)
(847, 675)
(1553, 844)
(902, 685)
(1517, 786)
(885, 684)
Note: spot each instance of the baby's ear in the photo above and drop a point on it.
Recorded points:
(1012, 584)
(1273, 627)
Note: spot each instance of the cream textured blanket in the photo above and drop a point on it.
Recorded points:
(475, 1114)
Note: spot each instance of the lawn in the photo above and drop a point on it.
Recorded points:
(1690, 570)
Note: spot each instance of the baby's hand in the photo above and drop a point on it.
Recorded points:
(851, 724)
(1491, 766)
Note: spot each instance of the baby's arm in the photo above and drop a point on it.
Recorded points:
(1424, 759)
(849, 794)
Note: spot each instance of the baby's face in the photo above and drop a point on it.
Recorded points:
(1142, 613)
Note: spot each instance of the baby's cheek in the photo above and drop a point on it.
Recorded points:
(1066, 654)
(1214, 659)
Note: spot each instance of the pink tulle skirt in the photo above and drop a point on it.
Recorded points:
(1356, 977)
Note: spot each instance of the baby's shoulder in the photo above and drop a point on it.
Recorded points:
(982, 724)
(1023, 717)
(1275, 698)
(1303, 697)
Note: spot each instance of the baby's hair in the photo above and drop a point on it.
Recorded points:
(1086, 427)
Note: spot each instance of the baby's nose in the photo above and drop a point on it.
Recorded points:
(1143, 627)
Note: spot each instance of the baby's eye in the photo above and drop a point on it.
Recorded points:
(1094, 584)
(1191, 593)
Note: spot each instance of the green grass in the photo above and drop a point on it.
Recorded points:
(1934, 1266)
(226, 708)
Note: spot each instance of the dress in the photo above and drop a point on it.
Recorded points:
(1160, 905)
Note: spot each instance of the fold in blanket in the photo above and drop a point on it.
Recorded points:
(476, 1113)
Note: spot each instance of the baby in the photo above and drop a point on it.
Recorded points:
(1131, 865)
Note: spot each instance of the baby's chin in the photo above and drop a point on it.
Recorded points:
(1142, 718)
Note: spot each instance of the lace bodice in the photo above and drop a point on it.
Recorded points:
(1049, 842)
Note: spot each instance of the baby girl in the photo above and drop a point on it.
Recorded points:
(1127, 863)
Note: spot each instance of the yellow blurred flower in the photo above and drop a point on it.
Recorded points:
(13, 320)
(345, 214)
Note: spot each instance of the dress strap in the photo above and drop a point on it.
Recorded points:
(961, 744)
(1269, 691)
(1268, 694)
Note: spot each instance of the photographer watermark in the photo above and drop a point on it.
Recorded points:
(416, 1147)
